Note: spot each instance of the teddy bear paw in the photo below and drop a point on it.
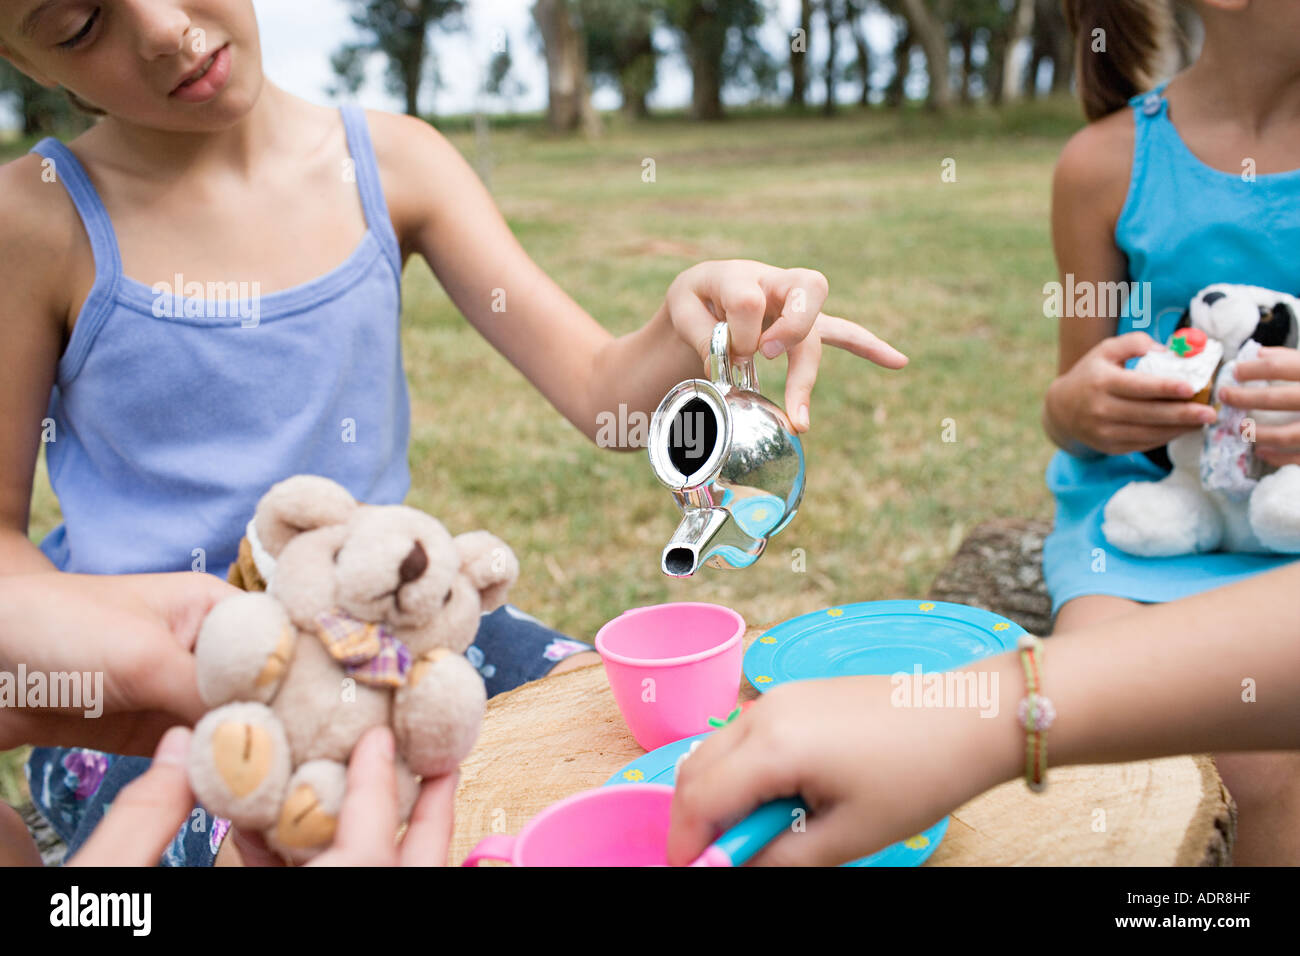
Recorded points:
(244, 649)
(310, 813)
(436, 716)
(239, 762)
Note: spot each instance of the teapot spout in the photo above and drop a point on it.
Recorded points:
(708, 535)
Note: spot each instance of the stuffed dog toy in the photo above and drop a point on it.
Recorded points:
(365, 620)
(1218, 495)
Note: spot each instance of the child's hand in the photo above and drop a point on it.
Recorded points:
(368, 821)
(147, 813)
(1274, 444)
(871, 773)
(135, 631)
(1115, 410)
(770, 311)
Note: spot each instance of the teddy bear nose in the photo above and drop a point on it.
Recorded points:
(1212, 297)
(414, 564)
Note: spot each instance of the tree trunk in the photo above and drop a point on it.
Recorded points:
(1037, 57)
(635, 105)
(834, 18)
(856, 12)
(413, 74)
(568, 105)
(636, 74)
(1053, 36)
(929, 32)
(896, 92)
(706, 38)
(966, 39)
(799, 58)
(1022, 23)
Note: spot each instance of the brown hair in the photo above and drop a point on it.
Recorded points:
(1134, 37)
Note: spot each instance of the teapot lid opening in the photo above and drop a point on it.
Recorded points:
(689, 435)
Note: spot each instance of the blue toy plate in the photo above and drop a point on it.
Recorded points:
(877, 637)
(660, 766)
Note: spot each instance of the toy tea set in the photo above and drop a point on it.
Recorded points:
(358, 615)
(736, 470)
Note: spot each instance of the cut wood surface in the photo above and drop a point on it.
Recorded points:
(546, 740)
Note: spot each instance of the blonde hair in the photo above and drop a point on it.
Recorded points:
(1135, 38)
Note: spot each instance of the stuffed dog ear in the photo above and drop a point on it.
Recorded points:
(298, 504)
(1277, 326)
(489, 564)
(1185, 320)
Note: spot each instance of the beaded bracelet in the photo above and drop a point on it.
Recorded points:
(1036, 714)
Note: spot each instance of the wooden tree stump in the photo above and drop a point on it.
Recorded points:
(49, 843)
(999, 567)
(555, 737)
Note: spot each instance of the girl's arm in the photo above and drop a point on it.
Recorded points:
(1168, 679)
(441, 210)
(1095, 405)
(38, 258)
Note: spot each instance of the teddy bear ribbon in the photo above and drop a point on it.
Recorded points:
(368, 651)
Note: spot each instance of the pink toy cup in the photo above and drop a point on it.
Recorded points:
(672, 667)
(624, 825)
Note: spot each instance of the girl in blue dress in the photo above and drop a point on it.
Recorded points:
(1171, 188)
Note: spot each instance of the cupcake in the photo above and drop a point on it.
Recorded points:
(1191, 356)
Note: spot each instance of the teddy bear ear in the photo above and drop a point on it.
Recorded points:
(298, 504)
(489, 564)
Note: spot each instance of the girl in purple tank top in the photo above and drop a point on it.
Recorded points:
(204, 288)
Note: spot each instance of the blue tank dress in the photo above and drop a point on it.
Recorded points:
(1184, 225)
(171, 416)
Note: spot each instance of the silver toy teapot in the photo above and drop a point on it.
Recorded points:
(732, 461)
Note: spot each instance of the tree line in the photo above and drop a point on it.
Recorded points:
(954, 52)
(947, 52)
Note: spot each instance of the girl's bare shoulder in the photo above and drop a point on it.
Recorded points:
(42, 240)
(420, 168)
(1096, 163)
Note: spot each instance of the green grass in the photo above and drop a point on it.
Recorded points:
(951, 273)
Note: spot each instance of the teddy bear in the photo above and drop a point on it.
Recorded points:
(364, 620)
(1218, 495)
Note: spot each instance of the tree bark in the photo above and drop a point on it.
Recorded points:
(999, 567)
(1052, 39)
(413, 74)
(834, 18)
(635, 103)
(896, 92)
(929, 32)
(966, 39)
(799, 58)
(1022, 23)
(637, 73)
(706, 38)
(857, 11)
(568, 104)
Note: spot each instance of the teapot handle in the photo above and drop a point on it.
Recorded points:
(722, 370)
